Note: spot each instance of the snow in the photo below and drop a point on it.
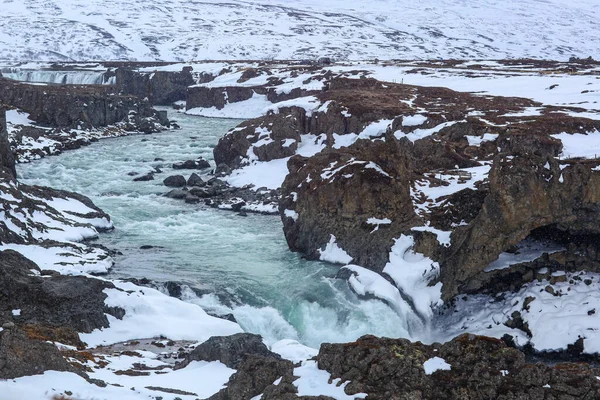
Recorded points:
(580, 145)
(254, 107)
(477, 140)
(379, 221)
(457, 180)
(284, 29)
(443, 237)
(412, 273)
(436, 364)
(333, 253)
(200, 377)
(291, 214)
(271, 174)
(293, 350)
(315, 382)
(150, 313)
(344, 140)
(555, 320)
(528, 250)
(423, 133)
(17, 117)
(375, 129)
(414, 120)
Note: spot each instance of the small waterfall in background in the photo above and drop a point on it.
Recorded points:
(58, 77)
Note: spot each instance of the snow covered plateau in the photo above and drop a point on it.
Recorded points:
(186, 30)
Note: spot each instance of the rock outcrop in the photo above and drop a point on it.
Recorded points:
(466, 185)
(22, 356)
(338, 192)
(7, 160)
(80, 106)
(159, 87)
(229, 350)
(76, 302)
(525, 193)
(467, 367)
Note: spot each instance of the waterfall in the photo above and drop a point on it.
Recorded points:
(58, 77)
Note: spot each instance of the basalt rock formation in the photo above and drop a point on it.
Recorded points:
(7, 160)
(80, 106)
(159, 87)
(336, 192)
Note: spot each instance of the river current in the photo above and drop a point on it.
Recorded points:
(244, 262)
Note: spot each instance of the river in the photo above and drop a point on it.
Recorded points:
(244, 262)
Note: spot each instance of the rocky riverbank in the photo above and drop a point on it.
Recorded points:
(47, 119)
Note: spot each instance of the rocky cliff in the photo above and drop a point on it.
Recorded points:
(159, 87)
(7, 161)
(77, 106)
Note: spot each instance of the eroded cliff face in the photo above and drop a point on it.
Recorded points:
(76, 106)
(335, 194)
(7, 161)
(159, 87)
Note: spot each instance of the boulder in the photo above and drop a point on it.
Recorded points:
(147, 177)
(254, 375)
(177, 194)
(200, 163)
(230, 350)
(222, 170)
(195, 180)
(174, 181)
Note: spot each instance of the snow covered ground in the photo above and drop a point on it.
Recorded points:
(283, 29)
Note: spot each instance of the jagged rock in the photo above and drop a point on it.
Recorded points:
(22, 356)
(254, 374)
(7, 160)
(230, 350)
(72, 301)
(479, 368)
(195, 180)
(340, 202)
(174, 181)
(525, 193)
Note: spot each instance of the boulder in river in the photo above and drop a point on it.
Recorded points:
(175, 181)
(200, 163)
(195, 180)
(147, 177)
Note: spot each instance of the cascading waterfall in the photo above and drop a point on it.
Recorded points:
(58, 77)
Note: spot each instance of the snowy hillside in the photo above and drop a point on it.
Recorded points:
(283, 29)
